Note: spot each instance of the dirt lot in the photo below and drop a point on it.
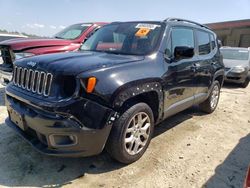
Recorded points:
(190, 149)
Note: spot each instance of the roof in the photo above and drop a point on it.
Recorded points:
(229, 24)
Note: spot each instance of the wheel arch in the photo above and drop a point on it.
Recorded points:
(149, 92)
(219, 76)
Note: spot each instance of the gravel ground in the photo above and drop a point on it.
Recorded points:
(190, 149)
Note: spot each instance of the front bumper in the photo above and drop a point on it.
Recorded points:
(236, 77)
(58, 133)
(5, 77)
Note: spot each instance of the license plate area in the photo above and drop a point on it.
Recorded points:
(17, 118)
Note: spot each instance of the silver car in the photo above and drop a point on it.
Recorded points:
(237, 65)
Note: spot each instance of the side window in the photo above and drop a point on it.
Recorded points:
(213, 45)
(182, 37)
(203, 43)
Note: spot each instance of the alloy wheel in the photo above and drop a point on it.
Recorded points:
(137, 133)
(215, 96)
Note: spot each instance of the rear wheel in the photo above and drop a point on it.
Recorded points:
(131, 134)
(211, 103)
(245, 84)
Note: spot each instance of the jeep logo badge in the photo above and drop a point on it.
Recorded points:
(31, 63)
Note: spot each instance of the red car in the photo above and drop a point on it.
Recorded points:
(69, 39)
(247, 181)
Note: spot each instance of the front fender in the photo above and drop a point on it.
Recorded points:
(134, 89)
(141, 90)
(115, 84)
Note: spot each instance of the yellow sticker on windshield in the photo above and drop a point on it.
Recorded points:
(142, 32)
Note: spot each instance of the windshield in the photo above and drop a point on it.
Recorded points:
(133, 38)
(72, 32)
(235, 54)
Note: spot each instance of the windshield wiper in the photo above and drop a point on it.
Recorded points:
(122, 53)
(58, 37)
(115, 52)
(111, 52)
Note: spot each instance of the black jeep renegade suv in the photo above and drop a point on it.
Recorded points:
(126, 78)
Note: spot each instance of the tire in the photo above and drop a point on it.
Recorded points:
(124, 128)
(209, 105)
(245, 84)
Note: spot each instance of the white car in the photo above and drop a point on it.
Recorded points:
(237, 65)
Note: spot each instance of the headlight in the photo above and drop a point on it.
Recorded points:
(22, 55)
(238, 69)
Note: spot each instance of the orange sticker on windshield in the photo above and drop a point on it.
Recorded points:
(142, 32)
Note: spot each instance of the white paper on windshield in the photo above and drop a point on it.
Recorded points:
(147, 26)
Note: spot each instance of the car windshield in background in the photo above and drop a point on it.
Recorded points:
(134, 38)
(235, 54)
(72, 32)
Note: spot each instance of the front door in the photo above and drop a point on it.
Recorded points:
(179, 76)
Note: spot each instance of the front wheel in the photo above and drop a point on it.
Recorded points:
(212, 101)
(131, 134)
(245, 84)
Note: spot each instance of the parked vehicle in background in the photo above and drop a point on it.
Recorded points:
(247, 180)
(126, 78)
(69, 39)
(7, 36)
(237, 65)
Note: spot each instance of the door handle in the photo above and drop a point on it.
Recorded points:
(196, 65)
(193, 68)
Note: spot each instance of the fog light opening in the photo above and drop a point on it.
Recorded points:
(60, 140)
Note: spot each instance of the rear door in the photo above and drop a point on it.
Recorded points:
(204, 66)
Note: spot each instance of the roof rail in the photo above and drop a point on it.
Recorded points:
(183, 20)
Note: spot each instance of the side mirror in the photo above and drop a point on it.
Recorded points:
(183, 52)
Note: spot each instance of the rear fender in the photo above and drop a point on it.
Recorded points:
(218, 73)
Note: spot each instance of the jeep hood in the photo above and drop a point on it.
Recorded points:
(73, 63)
(21, 44)
(229, 63)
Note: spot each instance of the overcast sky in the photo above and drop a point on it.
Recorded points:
(46, 17)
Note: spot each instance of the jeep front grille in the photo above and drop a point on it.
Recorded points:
(32, 80)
